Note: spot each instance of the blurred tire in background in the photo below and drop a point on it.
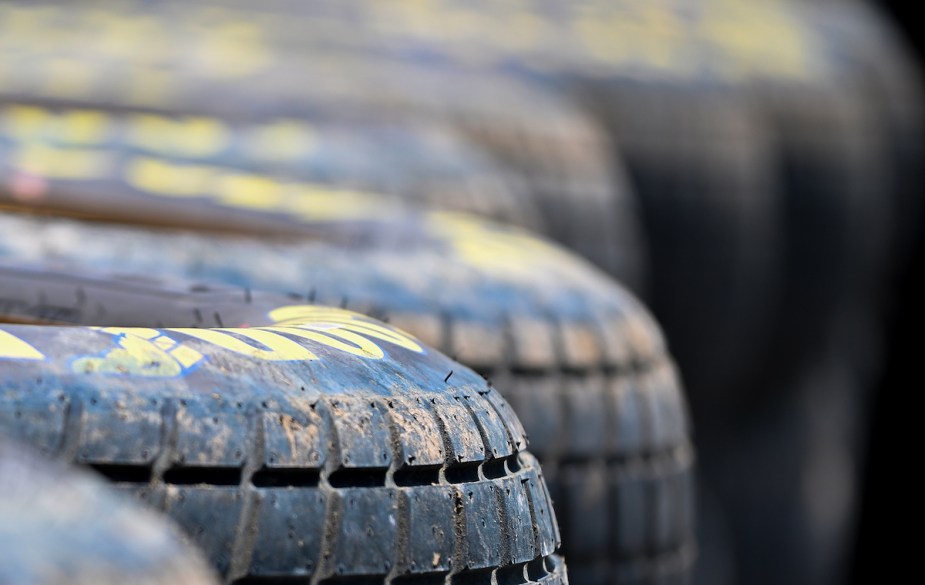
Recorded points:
(877, 556)
(61, 525)
(183, 55)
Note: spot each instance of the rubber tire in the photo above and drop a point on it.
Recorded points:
(874, 53)
(579, 359)
(805, 469)
(336, 468)
(701, 166)
(832, 157)
(58, 525)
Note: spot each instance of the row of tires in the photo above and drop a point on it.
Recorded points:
(728, 189)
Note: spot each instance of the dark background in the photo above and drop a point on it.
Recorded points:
(888, 529)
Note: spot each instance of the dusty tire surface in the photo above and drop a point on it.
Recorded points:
(578, 358)
(60, 525)
(331, 448)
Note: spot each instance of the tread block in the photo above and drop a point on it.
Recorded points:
(630, 517)
(419, 436)
(514, 428)
(367, 539)
(547, 538)
(483, 530)
(584, 512)
(533, 344)
(617, 350)
(289, 525)
(687, 504)
(668, 425)
(362, 432)
(588, 418)
(426, 327)
(520, 537)
(210, 516)
(581, 346)
(497, 441)
(478, 345)
(645, 336)
(431, 532)
(460, 427)
(664, 489)
(39, 423)
(133, 432)
(628, 407)
(211, 435)
(294, 440)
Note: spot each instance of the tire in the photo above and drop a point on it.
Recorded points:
(344, 452)
(806, 469)
(787, 260)
(701, 166)
(832, 159)
(871, 53)
(58, 525)
(561, 162)
(578, 358)
(874, 54)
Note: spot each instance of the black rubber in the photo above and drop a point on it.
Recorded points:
(702, 168)
(328, 449)
(803, 458)
(872, 51)
(579, 359)
(59, 525)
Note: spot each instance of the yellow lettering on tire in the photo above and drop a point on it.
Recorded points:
(283, 140)
(89, 127)
(135, 355)
(161, 178)
(12, 347)
(355, 344)
(25, 121)
(250, 192)
(63, 163)
(314, 317)
(275, 347)
(140, 352)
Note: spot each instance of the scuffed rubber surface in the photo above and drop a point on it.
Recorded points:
(578, 358)
(59, 525)
(328, 448)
